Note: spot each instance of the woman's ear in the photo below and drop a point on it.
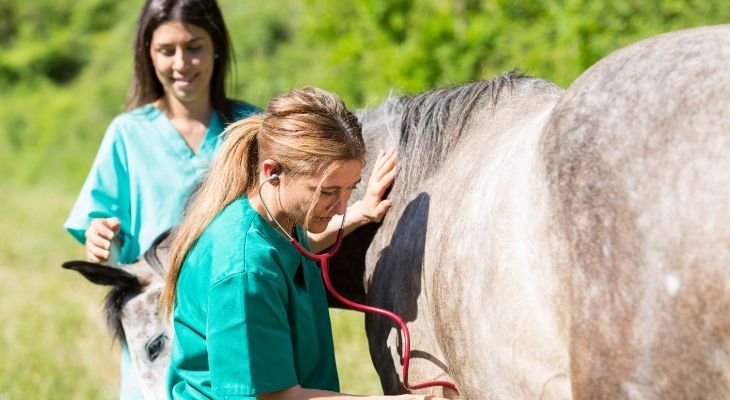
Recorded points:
(270, 170)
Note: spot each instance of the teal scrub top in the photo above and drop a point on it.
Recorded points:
(142, 174)
(251, 314)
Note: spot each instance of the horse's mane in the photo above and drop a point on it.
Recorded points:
(429, 124)
(113, 305)
(118, 295)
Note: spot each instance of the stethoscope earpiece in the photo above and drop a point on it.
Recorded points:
(273, 180)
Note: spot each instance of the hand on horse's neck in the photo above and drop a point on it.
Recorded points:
(190, 120)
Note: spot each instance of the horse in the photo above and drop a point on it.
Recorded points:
(132, 309)
(542, 243)
(558, 245)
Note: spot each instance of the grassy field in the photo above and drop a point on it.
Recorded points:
(53, 343)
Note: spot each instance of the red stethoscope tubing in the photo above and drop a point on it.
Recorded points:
(323, 260)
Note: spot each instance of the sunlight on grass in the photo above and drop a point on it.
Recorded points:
(357, 375)
(52, 338)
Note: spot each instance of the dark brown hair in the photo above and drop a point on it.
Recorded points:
(206, 14)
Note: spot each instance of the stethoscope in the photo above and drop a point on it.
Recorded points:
(324, 263)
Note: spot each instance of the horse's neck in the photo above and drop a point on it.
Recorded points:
(495, 165)
(475, 236)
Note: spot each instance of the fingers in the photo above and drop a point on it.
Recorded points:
(99, 236)
(112, 223)
(378, 213)
(105, 228)
(97, 248)
(379, 160)
(96, 254)
(385, 163)
(372, 206)
(387, 179)
(376, 188)
(383, 174)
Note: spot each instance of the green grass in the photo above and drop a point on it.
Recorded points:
(357, 375)
(53, 343)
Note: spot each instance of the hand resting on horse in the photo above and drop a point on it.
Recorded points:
(371, 208)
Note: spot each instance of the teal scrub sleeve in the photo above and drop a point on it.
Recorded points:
(249, 340)
(105, 192)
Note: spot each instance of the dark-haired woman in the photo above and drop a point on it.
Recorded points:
(153, 154)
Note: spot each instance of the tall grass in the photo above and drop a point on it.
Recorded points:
(53, 344)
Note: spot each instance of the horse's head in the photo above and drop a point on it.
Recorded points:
(133, 311)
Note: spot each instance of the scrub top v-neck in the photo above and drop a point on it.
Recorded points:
(143, 172)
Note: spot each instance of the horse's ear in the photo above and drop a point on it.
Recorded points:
(102, 274)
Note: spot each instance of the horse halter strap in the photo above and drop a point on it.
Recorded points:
(324, 263)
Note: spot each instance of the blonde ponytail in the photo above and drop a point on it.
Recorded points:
(232, 174)
(305, 130)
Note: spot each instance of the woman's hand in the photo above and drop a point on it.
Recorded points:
(372, 206)
(99, 237)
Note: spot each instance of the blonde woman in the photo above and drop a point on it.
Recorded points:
(249, 312)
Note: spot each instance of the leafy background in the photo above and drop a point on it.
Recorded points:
(65, 67)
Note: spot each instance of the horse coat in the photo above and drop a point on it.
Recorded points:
(560, 245)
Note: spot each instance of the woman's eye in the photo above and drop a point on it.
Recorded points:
(327, 193)
(166, 52)
(196, 48)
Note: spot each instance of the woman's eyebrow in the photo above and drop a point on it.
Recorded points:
(337, 187)
(189, 41)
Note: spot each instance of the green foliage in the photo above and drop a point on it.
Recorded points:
(65, 65)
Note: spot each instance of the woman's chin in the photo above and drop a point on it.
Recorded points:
(317, 226)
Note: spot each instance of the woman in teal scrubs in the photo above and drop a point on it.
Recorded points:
(249, 312)
(153, 154)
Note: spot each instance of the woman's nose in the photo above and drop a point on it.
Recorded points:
(180, 60)
(341, 205)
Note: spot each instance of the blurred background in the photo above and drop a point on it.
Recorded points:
(65, 66)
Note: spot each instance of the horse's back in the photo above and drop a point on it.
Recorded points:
(637, 155)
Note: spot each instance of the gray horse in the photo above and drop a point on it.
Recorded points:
(557, 246)
(132, 309)
(541, 244)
